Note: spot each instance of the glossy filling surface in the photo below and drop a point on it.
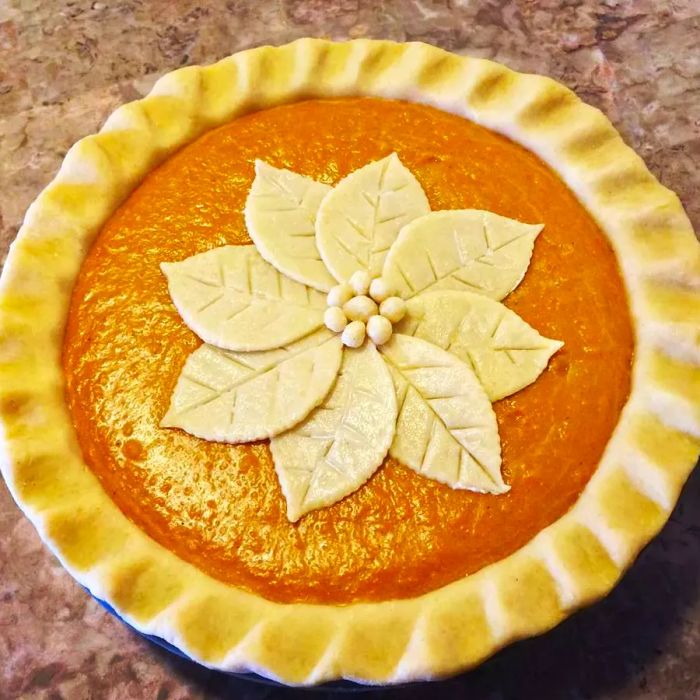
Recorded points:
(220, 506)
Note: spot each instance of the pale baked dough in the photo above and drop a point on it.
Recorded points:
(226, 396)
(232, 298)
(467, 249)
(569, 564)
(280, 215)
(505, 352)
(446, 429)
(359, 219)
(343, 442)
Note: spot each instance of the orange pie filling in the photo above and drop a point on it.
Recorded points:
(220, 506)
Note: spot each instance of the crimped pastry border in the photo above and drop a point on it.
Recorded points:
(569, 564)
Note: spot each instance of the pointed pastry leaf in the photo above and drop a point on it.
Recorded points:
(343, 442)
(230, 297)
(225, 396)
(505, 352)
(465, 249)
(359, 219)
(446, 429)
(280, 214)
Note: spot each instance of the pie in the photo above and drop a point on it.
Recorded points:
(350, 360)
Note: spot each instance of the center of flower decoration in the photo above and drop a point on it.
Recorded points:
(363, 307)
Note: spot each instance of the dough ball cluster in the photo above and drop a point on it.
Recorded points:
(363, 308)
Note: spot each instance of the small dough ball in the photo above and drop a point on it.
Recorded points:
(380, 290)
(360, 308)
(340, 294)
(379, 329)
(393, 308)
(335, 319)
(354, 334)
(360, 282)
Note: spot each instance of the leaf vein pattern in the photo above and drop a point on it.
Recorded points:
(253, 373)
(213, 301)
(436, 416)
(283, 190)
(342, 244)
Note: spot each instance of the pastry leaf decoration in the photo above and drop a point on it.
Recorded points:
(232, 298)
(505, 352)
(227, 396)
(280, 214)
(469, 250)
(344, 441)
(415, 346)
(446, 427)
(359, 219)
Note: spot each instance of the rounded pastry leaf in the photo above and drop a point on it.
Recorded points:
(359, 219)
(230, 297)
(466, 249)
(280, 215)
(343, 442)
(505, 352)
(226, 396)
(446, 429)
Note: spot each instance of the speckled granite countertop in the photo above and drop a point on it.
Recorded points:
(64, 66)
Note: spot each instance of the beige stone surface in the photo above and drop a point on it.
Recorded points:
(65, 65)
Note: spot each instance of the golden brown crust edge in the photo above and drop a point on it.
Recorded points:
(573, 562)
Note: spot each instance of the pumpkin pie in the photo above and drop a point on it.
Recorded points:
(350, 360)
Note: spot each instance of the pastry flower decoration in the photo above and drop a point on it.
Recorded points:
(359, 324)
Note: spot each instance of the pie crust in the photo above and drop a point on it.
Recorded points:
(569, 564)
